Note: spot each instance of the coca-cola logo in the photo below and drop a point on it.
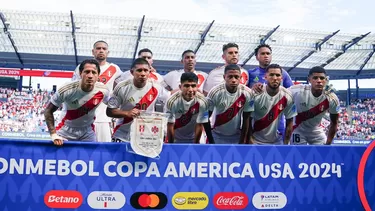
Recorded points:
(231, 200)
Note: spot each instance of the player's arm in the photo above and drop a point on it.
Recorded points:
(207, 129)
(54, 104)
(332, 128)
(50, 119)
(245, 127)
(170, 132)
(287, 80)
(288, 130)
(249, 138)
(198, 132)
(113, 108)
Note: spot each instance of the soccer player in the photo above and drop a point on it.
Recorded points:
(145, 54)
(109, 72)
(189, 62)
(263, 53)
(188, 112)
(230, 102)
(133, 95)
(312, 103)
(215, 77)
(80, 99)
(269, 105)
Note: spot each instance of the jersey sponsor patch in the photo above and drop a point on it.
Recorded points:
(251, 103)
(338, 108)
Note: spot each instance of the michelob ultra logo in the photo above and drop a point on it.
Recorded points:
(190, 200)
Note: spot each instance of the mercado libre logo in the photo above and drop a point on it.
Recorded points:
(190, 201)
(361, 175)
(148, 200)
(68, 199)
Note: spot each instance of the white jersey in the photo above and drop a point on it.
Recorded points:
(312, 109)
(228, 108)
(128, 75)
(79, 106)
(185, 114)
(267, 112)
(173, 78)
(216, 76)
(108, 73)
(126, 97)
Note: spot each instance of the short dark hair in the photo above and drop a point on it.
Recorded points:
(317, 69)
(138, 61)
(99, 42)
(145, 50)
(274, 66)
(262, 46)
(189, 76)
(187, 51)
(229, 45)
(89, 61)
(232, 67)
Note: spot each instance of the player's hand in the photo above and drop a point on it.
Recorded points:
(57, 140)
(328, 88)
(258, 88)
(133, 113)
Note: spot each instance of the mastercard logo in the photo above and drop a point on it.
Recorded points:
(148, 200)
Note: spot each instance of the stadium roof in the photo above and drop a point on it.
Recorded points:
(61, 40)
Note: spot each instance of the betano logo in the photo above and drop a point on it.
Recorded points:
(69, 199)
(106, 200)
(269, 200)
(148, 200)
(190, 200)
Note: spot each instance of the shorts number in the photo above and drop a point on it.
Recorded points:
(296, 138)
(271, 116)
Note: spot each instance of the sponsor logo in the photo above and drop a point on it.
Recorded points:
(190, 200)
(269, 200)
(106, 200)
(148, 200)
(69, 199)
(231, 201)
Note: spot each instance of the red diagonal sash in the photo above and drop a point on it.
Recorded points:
(153, 76)
(244, 78)
(271, 116)
(231, 112)
(107, 74)
(83, 110)
(186, 118)
(311, 113)
(200, 80)
(143, 104)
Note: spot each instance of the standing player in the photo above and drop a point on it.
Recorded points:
(269, 105)
(312, 103)
(187, 110)
(263, 53)
(80, 99)
(133, 95)
(215, 77)
(230, 102)
(145, 54)
(109, 72)
(189, 62)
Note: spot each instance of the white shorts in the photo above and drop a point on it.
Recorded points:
(222, 139)
(125, 137)
(77, 133)
(305, 138)
(266, 143)
(103, 131)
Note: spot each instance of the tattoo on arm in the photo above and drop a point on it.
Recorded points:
(50, 120)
